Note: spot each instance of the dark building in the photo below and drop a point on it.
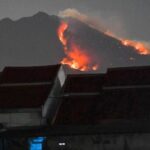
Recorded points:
(44, 106)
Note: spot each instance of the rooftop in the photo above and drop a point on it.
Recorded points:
(26, 87)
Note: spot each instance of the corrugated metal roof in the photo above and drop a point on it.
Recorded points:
(26, 87)
(83, 83)
(128, 76)
(23, 96)
(76, 110)
(29, 74)
(108, 106)
(129, 101)
(126, 104)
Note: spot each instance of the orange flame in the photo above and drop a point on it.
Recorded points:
(61, 30)
(111, 34)
(76, 57)
(139, 46)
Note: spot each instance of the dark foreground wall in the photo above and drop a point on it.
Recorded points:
(82, 142)
(101, 142)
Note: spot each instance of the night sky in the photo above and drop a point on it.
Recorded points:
(128, 17)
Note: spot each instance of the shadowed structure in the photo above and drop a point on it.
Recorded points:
(82, 111)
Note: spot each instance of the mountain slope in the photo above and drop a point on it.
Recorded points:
(30, 41)
(109, 51)
(34, 41)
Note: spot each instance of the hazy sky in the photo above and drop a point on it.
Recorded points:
(130, 17)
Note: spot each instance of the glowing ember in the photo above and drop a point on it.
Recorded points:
(111, 34)
(95, 67)
(61, 31)
(139, 46)
(76, 57)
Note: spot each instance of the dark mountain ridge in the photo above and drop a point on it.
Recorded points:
(30, 41)
(110, 51)
(33, 41)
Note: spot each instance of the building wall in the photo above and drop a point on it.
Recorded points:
(91, 142)
(20, 119)
(101, 142)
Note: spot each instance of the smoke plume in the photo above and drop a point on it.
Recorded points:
(90, 21)
(106, 27)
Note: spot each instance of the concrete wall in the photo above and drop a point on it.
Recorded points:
(20, 119)
(101, 142)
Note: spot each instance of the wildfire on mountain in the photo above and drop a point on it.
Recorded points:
(79, 58)
(141, 48)
(138, 46)
(76, 57)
